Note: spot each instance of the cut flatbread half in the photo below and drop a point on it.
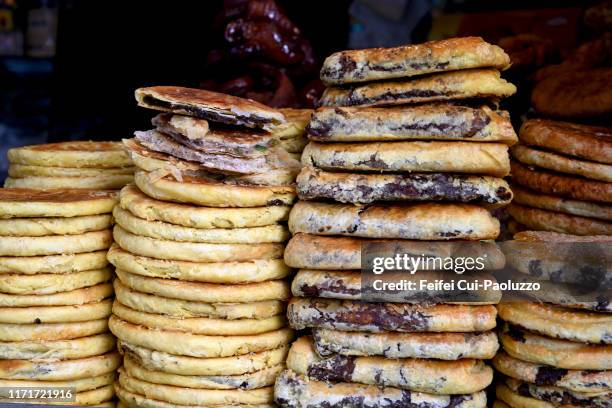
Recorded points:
(467, 84)
(361, 188)
(209, 105)
(411, 60)
(419, 122)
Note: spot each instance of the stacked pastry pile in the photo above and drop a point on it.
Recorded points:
(55, 292)
(377, 164)
(557, 353)
(562, 178)
(200, 296)
(99, 165)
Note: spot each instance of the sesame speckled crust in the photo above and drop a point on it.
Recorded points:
(360, 188)
(567, 186)
(419, 122)
(559, 353)
(558, 322)
(538, 219)
(411, 60)
(420, 156)
(443, 346)
(467, 84)
(575, 380)
(383, 317)
(296, 391)
(418, 221)
(423, 375)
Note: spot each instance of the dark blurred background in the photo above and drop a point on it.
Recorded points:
(68, 68)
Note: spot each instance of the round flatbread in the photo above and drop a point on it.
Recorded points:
(424, 157)
(538, 219)
(187, 309)
(532, 347)
(162, 230)
(213, 194)
(294, 390)
(416, 221)
(59, 244)
(59, 349)
(99, 397)
(147, 208)
(209, 105)
(562, 164)
(359, 188)
(383, 317)
(207, 292)
(36, 227)
(64, 370)
(200, 325)
(18, 202)
(72, 154)
(417, 122)
(581, 93)
(193, 251)
(216, 366)
(558, 396)
(197, 345)
(571, 139)
(195, 396)
(443, 346)
(24, 171)
(258, 270)
(412, 60)
(32, 265)
(466, 84)
(575, 380)
(514, 400)
(109, 182)
(46, 284)
(80, 384)
(349, 285)
(558, 322)
(559, 185)
(248, 381)
(56, 314)
(464, 376)
(74, 297)
(564, 205)
(52, 331)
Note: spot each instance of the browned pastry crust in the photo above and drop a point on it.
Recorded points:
(411, 60)
(564, 186)
(548, 236)
(575, 94)
(213, 106)
(474, 83)
(420, 122)
(538, 219)
(587, 142)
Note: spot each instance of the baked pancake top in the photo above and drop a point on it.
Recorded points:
(410, 60)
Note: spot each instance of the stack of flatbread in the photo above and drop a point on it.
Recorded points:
(199, 240)
(99, 165)
(562, 178)
(557, 351)
(56, 294)
(403, 149)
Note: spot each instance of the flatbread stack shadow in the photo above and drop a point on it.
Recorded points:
(557, 350)
(562, 178)
(201, 295)
(404, 150)
(79, 164)
(56, 293)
